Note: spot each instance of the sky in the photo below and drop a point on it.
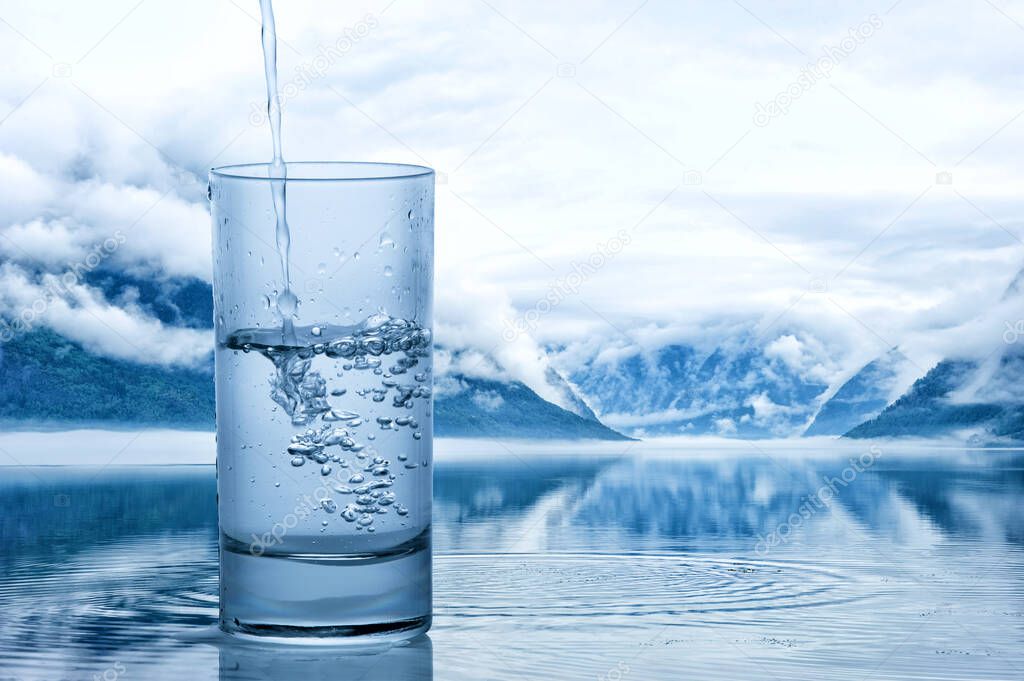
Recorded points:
(838, 177)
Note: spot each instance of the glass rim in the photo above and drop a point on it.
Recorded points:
(325, 171)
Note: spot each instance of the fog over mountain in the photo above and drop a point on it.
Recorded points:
(975, 392)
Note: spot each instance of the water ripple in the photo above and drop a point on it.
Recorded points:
(633, 585)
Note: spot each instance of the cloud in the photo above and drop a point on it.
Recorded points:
(49, 243)
(657, 418)
(164, 233)
(776, 417)
(540, 166)
(725, 426)
(488, 400)
(81, 313)
(804, 355)
(471, 329)
(24, 190)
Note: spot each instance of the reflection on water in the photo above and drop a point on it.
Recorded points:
(240, 661)
(639, 503)
(556, 566)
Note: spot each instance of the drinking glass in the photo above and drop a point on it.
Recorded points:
(324, 415)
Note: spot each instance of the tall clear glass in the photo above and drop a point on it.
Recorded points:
(324, 419)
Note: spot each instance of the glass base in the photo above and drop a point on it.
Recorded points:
(310, 597)
(384, 633)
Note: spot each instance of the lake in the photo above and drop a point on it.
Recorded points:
(625, 561)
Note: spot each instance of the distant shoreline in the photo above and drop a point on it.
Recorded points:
(164, 446)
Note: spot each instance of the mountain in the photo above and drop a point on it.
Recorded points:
(743, 389)
(979, 399)
(47, 378)
(861, 398)
(956, 397)
(474, 407)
